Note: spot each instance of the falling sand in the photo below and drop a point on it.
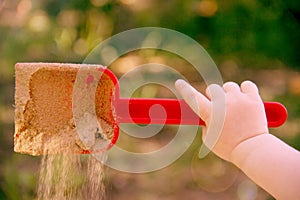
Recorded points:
(74, 176)
(71, 177)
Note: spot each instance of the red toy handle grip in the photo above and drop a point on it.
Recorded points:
(173, 111)
(276, 113)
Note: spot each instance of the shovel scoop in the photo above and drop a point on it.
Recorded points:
(72, 108)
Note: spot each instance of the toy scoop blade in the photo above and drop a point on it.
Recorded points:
(44, 118)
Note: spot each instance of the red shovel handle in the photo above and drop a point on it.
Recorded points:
(276, 113)
(146, 111)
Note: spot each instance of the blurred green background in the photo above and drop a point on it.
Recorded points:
(248, 39)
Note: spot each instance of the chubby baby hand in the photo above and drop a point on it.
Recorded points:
(243, 114)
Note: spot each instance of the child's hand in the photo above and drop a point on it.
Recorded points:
(244, 113)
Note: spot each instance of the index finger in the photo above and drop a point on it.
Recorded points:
(197, 101)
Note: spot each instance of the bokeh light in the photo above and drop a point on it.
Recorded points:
(247, 190)
(99, 3)
(137, 5)
(39, 21)
(207, 8)
(2, 3)
(213, 174)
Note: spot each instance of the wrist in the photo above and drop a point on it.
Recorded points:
(241, 154)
